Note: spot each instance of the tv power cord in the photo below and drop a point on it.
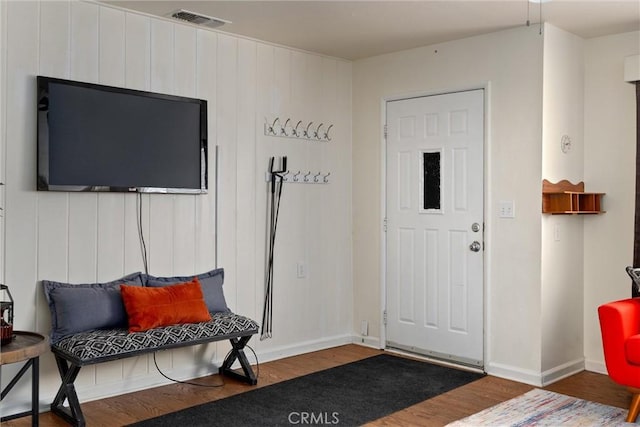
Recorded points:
(155, 362)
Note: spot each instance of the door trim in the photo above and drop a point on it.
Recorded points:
(487, 197)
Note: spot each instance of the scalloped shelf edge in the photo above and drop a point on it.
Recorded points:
(565, 198)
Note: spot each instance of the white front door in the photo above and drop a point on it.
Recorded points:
(434, 213)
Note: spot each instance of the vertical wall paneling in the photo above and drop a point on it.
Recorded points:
(341, 173)
(227, 110)
(84, 41)
(161, 214)
(294, 229)
(132, 252)
(54, 44)
(316, 236)
(53, 208)
(21, 260)
(3, 145)
(52, 214)
(137, 51)
(83, 207)
(20, 214)
(82, 220)
(137, 46)
(54, 61)
(327, 196)
(161, 206)
(281, 102)
(162, 58)
(246, 172)
(137, 54)
(111, 47)
(111, 71)
(289, 245)
(264, 81)
(205, 204)
(185, 70)
(88, 237)
(184, 65)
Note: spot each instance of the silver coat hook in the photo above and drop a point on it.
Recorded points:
(295, 130)
(295, 176)
(315, 177)
(306, 176)
(272, 128)
(316, 134)
(326, 134)
(306, 131)
(326, 177)
(284, 128)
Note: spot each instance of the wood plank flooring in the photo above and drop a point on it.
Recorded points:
(437, 411)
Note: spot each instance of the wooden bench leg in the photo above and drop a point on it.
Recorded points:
(67, 391)
(237, 353)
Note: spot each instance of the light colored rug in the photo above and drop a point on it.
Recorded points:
(545, 408)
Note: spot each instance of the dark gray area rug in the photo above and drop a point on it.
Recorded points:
(347, 395)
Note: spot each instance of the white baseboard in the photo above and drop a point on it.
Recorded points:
(537, 379)
(514, 373)
(563, 371)
(302, 348)
(596, 366)
(373, 342)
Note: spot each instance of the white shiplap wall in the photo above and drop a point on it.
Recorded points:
(79, 238)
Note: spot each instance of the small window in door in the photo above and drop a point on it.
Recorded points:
(431, 176)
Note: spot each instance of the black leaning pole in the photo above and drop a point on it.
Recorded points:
(276, 181)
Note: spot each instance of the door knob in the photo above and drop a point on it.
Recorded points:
(475, 246)
(475, 227)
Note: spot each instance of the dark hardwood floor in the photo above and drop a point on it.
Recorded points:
(438, 411)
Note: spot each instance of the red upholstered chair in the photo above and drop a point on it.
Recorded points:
(620, 327)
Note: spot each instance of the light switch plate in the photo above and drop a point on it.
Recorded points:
(507, 209)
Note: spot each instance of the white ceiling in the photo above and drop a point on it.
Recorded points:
(359, 29)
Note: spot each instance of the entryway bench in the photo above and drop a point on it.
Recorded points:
(93, 345)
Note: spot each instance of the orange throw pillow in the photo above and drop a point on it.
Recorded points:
(149, 308)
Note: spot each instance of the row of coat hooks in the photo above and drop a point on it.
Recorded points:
(291, 129)
(302, 177)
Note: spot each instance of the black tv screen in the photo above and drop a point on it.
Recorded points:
(101, 138)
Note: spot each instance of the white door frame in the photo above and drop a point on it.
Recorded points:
(488, 208)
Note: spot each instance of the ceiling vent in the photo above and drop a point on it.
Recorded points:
(198, 18)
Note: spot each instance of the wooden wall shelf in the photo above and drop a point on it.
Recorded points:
(565, 198)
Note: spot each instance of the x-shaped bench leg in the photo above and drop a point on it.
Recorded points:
(237, 353)
(67, 391)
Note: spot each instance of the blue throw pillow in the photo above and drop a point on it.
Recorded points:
(85, 307)
(211, 283)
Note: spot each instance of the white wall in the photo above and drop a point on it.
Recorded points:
(92, 237)
(510, 63)
(562, 255)
(610, 157)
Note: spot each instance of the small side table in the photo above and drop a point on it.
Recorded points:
(24, 346)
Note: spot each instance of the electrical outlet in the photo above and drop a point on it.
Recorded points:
(301, 270)
(364, 328)
(507, 209)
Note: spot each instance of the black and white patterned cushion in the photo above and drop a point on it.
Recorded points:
(109, 344)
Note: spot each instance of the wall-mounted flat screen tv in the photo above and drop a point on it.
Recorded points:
(101, 138)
